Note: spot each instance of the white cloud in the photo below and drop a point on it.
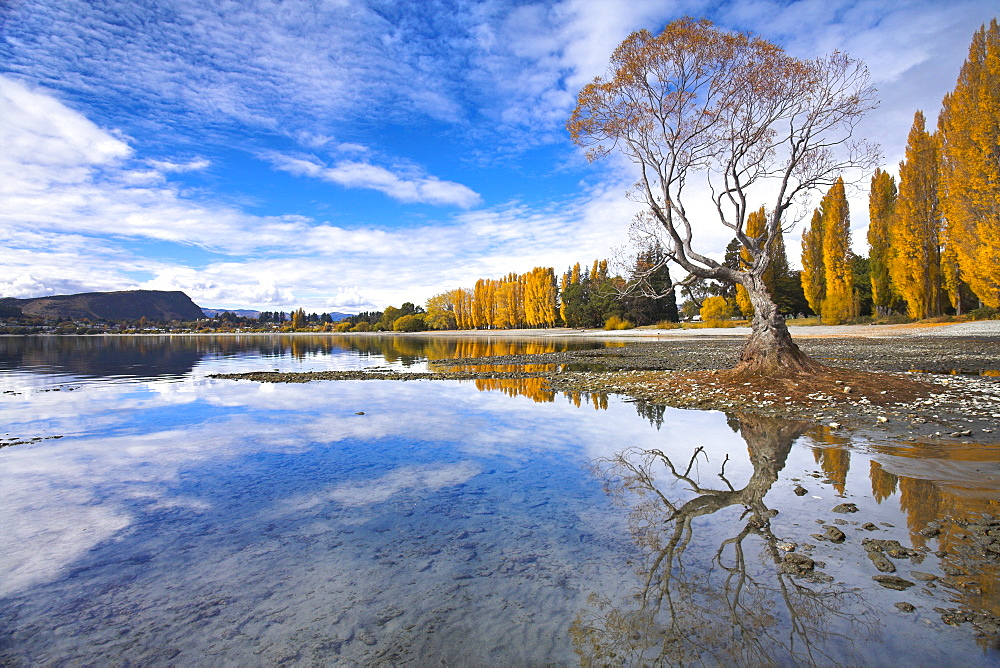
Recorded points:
(412, 188)
(40, 138)
(349, 299)
(206, 288)
(195, 165)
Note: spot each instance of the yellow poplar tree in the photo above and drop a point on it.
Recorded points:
(540, 297)
(838, 304)
(881, 203)
(969, 129)
(504, 297)
(813, 274)
(756, 227)
(914, 231)
(463, 309)
(481, 316)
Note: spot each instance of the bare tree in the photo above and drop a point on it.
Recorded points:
(756, 124)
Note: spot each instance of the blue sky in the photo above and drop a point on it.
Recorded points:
(346, 155)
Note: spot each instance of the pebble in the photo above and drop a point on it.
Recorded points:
(903, 606)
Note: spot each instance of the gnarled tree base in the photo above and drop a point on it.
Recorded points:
(769, 352)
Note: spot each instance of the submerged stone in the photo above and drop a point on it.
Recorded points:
(845, 508)
(794, 563)
(893, 582)
(881, 562)
(834, 535)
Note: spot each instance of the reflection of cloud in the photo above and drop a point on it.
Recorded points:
(63, 498)
(39, 538)
(416, 478)
(129, 448)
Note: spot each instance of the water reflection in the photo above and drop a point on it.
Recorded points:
(265, 523)
(255, 523)
(175, 356)
(832, 454)
(940, 484)
(707, 593)
(939, 488)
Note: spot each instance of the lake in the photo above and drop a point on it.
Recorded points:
(154, 515)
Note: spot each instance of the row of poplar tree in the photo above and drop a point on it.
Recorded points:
(934, 238)
(580, 297)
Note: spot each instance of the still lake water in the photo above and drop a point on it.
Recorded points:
(152, 515)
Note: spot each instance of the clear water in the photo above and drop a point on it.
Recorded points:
(183, 520)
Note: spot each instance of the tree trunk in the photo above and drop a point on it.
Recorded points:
(769, 350)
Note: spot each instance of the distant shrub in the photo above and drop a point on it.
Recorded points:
(342, 327)
(363, 326)
(614, 322)
(985, 313)
(409, 323)
(666, 324)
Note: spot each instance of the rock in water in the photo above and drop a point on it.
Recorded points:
(845, 508)
(881, 562)
(893, 582)
(834, 535)
(794, 563)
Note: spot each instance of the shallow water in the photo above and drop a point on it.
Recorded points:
(184, 520)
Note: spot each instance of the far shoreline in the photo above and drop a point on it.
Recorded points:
(986, 328)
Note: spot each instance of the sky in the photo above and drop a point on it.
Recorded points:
(345, 155)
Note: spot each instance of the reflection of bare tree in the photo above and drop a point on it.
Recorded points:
(728, 601)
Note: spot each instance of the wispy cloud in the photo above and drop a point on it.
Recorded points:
(406, 187)
(170, 167)
(74, 203)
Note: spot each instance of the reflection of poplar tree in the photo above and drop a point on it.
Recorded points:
(883, 483)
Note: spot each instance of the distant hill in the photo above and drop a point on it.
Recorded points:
(154, 305)
(243, 313)
(212, 312)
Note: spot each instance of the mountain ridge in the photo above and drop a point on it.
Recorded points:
(155, 305)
